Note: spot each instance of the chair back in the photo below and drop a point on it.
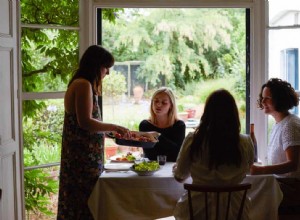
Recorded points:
(217, 190)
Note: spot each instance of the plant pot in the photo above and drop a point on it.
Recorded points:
(183, 115)
(191, 113)
(138, 92)
(110, 151)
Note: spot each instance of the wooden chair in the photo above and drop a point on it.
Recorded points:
(217, 190)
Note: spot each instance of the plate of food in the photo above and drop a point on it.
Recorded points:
(145, 168)
(128, 158)
(138, 139)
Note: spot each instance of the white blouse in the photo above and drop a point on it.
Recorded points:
(201, 174)
(284, 134)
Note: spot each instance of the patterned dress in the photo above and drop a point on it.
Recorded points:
(82, 161)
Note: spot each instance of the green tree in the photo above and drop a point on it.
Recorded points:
(114, 86)
(179, 45)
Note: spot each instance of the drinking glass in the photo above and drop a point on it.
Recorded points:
(161, 159)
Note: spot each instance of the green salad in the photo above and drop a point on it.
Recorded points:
(130, 157)
(146, 166)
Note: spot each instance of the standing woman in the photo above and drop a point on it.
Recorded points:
(215, 154)
(82, 156)
(164, 120)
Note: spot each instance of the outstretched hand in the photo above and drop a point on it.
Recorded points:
(125, 132)
(256, 170)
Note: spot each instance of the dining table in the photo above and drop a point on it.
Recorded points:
(122, 194)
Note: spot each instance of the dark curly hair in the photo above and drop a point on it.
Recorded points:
(283, 95)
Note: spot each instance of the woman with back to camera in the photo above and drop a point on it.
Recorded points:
(215, 154)
(276, 98)
(164, 120)
(82, 156)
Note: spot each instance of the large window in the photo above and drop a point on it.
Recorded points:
(193, 51)
(148, 60)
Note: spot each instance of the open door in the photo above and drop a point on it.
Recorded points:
(10, 158)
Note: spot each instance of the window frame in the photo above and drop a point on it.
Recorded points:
(25, 96)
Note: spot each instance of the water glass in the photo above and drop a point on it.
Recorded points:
(161, 159)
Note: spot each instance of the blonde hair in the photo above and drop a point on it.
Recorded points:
(172, 114)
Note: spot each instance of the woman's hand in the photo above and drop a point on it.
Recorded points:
(174, 168)
(256, 170)
(155, 134)
(125, 132)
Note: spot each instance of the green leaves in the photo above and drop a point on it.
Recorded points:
(182, 45)
(38, 187)
(50, 12)
(114, 85)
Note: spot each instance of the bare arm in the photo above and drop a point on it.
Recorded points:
(292, 154)
(80, 100)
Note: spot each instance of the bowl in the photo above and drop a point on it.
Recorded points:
(145, 168)
(143, 173)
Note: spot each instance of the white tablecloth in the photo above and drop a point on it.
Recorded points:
(124, 195)
(265, 195)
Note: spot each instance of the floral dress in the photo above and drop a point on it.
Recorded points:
(82, 161)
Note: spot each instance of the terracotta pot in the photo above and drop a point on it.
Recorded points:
(183, 115)
(138, 92)
(191, 113)
(110, 151)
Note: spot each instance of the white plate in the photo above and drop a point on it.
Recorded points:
(117, 166)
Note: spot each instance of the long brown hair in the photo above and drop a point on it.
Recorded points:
(90, 65)
(218, 131)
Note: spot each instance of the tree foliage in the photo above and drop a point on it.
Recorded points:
(182, 45)
(114, 85)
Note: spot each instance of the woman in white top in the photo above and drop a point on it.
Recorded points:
(216, 154)
(276, 98)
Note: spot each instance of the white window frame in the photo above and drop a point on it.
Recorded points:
(44, 95)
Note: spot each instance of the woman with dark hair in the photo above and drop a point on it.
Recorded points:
(276, 98)
(164, 120)
(216, 153)
(82, 156)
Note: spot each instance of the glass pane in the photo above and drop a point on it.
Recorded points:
(49, 58)
(284, 57)
(193, 51)
(42, 131)
(284, 13)
(282, 43)
(50, 12)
